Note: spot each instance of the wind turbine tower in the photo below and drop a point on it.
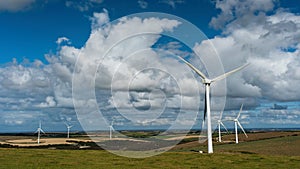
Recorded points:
(68, 128)
(237, 123)
(219, 127)
(111, 129)
(207, 82)
(39, 130)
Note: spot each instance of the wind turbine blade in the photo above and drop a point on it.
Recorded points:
(112, 122)
(42, 131)
(229, 73)
(193, 67)
(221, 115)
(202, 127)
(224, 126)
(242, 128)
(66, 124)
(240, 111)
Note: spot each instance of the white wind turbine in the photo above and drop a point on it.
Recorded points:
(111, 129)
(207, 82)
(68, 128)
(39, 130)
(237, 123)
(219, 126)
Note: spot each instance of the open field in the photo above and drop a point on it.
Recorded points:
(268, 150)
(280, 146)
(37, 158)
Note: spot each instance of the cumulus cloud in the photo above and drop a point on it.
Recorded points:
(49, 102)
(121, 59)
(63, 39)
(15, 5)
(99, 19)
(118, 58)
(115, 55)
(270, 42)
(232, 10)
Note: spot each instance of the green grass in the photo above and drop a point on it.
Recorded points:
(269, 153)
(289, 146)
(140, 134)
(38, 158)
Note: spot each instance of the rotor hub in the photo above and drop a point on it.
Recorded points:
(206, 81)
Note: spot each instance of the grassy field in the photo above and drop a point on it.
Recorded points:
(276, 153)
(34, 158)
(283, 146)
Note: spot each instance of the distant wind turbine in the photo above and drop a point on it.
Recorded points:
(207, 82)
(39, 130)
(68, 127)
(111, 129)
(237, 123)
(219, 126)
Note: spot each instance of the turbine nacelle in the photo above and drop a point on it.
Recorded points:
(206, 81)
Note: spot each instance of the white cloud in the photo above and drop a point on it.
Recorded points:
(233, 10)
(83, 6)
(122, 56)
(49, 87)
(99, 19)
(15, 5)
(279, 117)
(21, 77)
(172, 3)
(63, 39)
(49, 102)
(269, 42)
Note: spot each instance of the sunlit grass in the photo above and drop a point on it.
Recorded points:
(43, 158)
(255, 154)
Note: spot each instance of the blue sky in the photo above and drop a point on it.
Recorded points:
(42, 23)
(42, 40)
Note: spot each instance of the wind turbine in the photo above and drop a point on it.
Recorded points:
(111, 129)
(39, 130)
(237, 123)
(207, 82)
(219, 126)
(68, 127)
